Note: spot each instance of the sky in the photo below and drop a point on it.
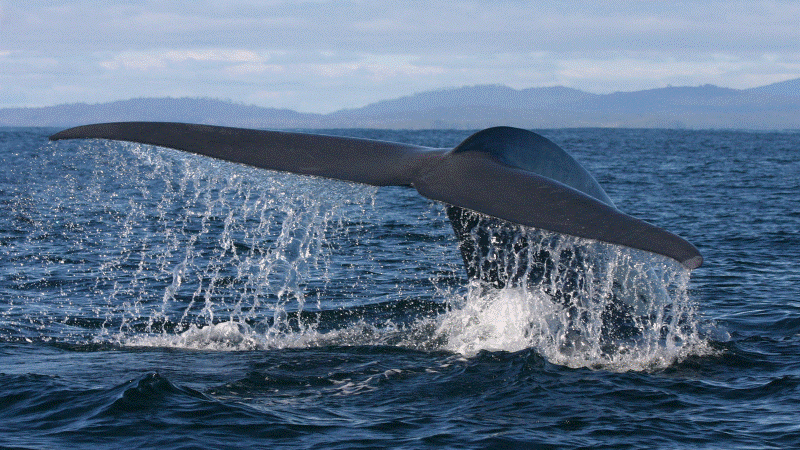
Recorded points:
(324, 55)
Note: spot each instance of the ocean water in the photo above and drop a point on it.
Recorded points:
(154, 299)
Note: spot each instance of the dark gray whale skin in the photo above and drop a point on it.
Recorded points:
(508, 174)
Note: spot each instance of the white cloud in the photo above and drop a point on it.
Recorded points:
(325, 55)
(159, 59)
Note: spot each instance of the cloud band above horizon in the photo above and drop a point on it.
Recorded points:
(320, 56)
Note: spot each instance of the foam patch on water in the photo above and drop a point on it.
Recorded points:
(515, 319)
(224, 336)
(237, 336)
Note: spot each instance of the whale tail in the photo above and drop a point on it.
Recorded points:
(501, 175)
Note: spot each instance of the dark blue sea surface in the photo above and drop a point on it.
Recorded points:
(154, 299)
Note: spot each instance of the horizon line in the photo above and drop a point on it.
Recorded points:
(438, 90)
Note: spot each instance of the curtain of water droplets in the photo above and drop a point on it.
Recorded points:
(578, 302)
(164, 244)
(192, 241)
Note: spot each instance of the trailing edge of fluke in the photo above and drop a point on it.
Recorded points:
(507, 173)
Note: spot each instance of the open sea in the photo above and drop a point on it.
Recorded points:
(155, 299)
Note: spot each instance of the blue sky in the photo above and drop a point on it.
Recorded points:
(321, 56)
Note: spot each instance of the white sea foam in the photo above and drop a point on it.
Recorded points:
(224, 336)
(515, 319)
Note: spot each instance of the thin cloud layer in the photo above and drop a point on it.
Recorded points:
(320, 56)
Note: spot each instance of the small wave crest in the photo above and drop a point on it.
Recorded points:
(225, 336)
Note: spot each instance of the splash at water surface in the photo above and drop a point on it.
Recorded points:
(181, 251)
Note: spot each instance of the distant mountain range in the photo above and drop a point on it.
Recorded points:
(776, 106)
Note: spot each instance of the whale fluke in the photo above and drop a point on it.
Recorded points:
(507, 173)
